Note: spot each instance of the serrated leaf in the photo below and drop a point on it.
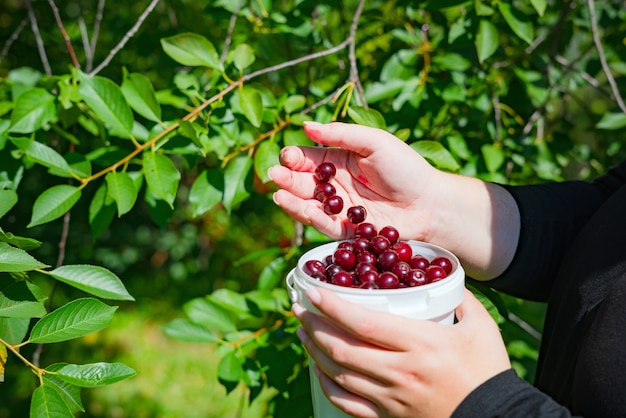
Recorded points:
(205, 312)
(94, 280)
(162, 177)
(140, 95)
(237, 181)
(72, 320)
(34, 109)
(8, 199)
(54, 203)
(185, 330)
(22, 300)
(612, 121)
(206, 191)
(70, 394)
(436, 154)
(367, 117)
(95, 374)
(251, 104)
(265, 156)
(105, 98)
(16, 260)
(272, 274)
(494, 157)
(486, 41)
(121, 189)
(192, 49)
(243, 56)
(47, 402)
(43, 154)
(518, 22)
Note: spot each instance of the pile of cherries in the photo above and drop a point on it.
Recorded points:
(374, 259)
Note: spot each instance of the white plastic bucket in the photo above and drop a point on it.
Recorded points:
(434, 301)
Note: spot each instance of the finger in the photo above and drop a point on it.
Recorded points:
(350, 403)
(299, 184)
(352, 137)
(376, 327)
(471, 308)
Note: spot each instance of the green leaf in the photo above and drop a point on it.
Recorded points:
(71, 394)
(16, 260)
(95, 374)
(72, 320)
(237, 181)
(42, 154)
(436, 153)
(23, 243)
(518, 22)
(140, 95)
(54, 203)
(47, 402)
(8, 199)
(272, 274)
(294, 103)
(14, 330)
(101, 211)
(612, 121)
(540, 6)
(162, 177)
(265, 156)
(494, 157)
(243, 56)
(185, 330)
(206, 191)
(3, 361)
(203, 311)
(34, 109)
(486, 41)
(121, 188)
(251, 104)
(22, 300)
(230, 368)
(367, 117)
(105, 98)
(192, 49)
(94, 280)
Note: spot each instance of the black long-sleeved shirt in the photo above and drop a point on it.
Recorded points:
(571, 254)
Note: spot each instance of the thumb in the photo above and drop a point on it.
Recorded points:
(471, 308)
(363, 140)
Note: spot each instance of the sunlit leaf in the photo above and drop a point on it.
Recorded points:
(14, 330)
(230, 367)
(487, 41)
(368, 117)
(206, 191)
(94, 280)
(294, 103)
(243, 56)
(46, 402)
(8, 199)
(54, 203)
(42, 154)
(612, 121)
(494, 157)
(15, 259)
(140, 95)
(22, 300)
(251, 104)
(436, 153)
(192, 49)
(185, 330)
(203, 311)
(237, 181)
(71, 394)
(95, 374)
(519, 23)
(34, 110)
(272, 274)
(266, 156)
(162, 176)
(72, 320)
(121, 189)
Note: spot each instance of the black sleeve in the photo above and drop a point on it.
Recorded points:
(551, 216)
(506, 395)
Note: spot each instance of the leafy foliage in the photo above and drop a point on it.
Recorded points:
(178, 125)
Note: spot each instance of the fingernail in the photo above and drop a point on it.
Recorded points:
(269, 173)
(274, 198)
(311, 123)
(314, 296)
(297, 309)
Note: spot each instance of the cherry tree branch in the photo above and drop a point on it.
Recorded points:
(38, 39)
(354, 71)
(125, 39)
(13, 38)
(66, 38)
(229, 33)
(96, 32)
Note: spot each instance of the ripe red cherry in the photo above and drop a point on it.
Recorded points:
(435, 273)
(366, 257)
(345, 244)
(360, 244)
(370, 276)
(378, 244)
(404, 250)
(443, 262)
(369, 285)
(311, 267)
(419, 262)
(387, 259)
(416, 277)
(323, 190)
(325, 172)
(332, 205)
(356, 214)
(344, 258)
(343, 278)
(387, 280)
(401, 269)
(390, 233)
(365, 230)
(331, 270)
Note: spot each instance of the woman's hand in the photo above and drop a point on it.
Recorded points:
(374, 169)
(374, 364)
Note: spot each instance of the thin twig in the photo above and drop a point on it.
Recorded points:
(66, 38)
(95, 34)
(605, 65)
(231, 28)
(40, 46)
(126, 37)
(84, 35)
(354, 71)
(13, 38)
